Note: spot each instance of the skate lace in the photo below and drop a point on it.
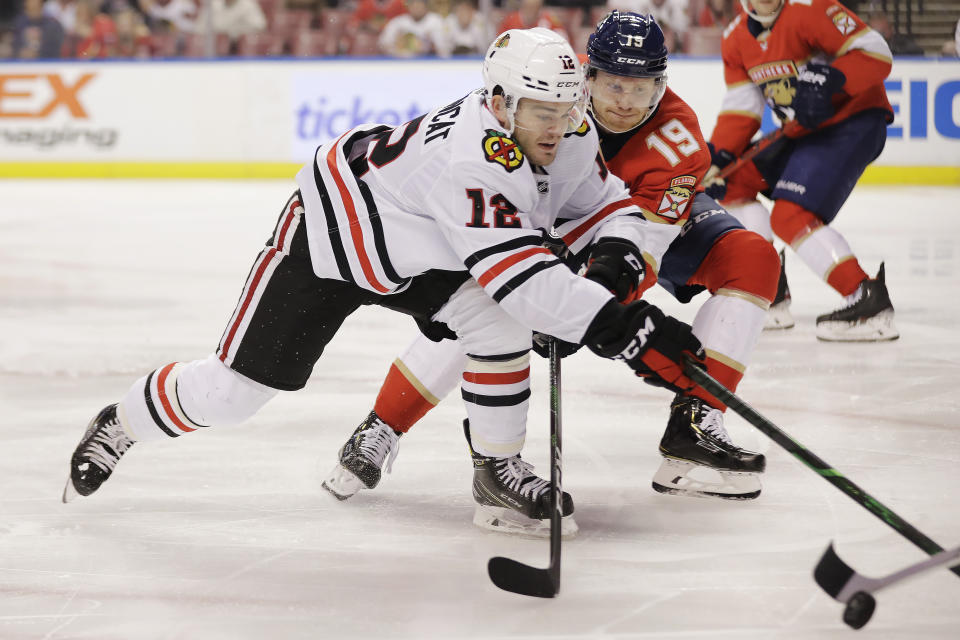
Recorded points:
(518, 476)
(712, 424)
(113, 436)
(377, 441)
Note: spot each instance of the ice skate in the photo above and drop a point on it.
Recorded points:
(700, 459)
(94, 459)
(868, 316)
(512, 499)
(779, 316)
(362, 458)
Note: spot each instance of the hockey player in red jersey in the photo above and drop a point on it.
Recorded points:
(441, 219)
(821, 70)
(652, 140)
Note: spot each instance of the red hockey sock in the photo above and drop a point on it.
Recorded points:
(847, 276)
(722, 373)
(399, 403)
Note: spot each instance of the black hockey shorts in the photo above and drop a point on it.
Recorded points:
(286, 315)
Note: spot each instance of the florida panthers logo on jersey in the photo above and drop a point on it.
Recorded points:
(844, 23)
(500, 149)
(677, 197)
(778, 82)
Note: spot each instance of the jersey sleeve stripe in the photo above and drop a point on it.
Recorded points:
(509, 245)
(378, 238)
(339, 252)
(570, 237)
(356, 232)
(497, 269)
(515, 282)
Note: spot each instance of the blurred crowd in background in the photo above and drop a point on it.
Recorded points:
(102, 29)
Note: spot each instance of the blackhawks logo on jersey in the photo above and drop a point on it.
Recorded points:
(677, 197)
(502, 150)
(581, 130)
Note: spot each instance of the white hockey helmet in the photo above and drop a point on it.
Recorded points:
(766, 21)
(538, 64)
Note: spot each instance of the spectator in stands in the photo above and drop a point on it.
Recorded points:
(371, 15)
(531, 14)
(440, 7)
(717, 13)
(171, 15)
(671, 15)
(900, 43)
(466, 30)
(94, 33)
(951, 48)
(419, 32)
(6, 43)
(36, 35)
(133, 38)
(234, 18)
(63, 11)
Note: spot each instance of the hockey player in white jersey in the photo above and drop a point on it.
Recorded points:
(441, 219)
(713, 251)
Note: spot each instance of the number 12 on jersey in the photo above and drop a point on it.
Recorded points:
(679, 135)
(504, 213)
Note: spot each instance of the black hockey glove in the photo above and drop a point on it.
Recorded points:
(714, 185)
(617, 265)
(654, 345)
(816, 85)
(541, 345)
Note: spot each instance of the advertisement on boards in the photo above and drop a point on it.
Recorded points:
(245, 116)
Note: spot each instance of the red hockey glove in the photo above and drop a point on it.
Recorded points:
(654, 345)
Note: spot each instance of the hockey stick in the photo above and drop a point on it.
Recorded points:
(845, 585)
(517, 577)
(756, 148)
(811, 460)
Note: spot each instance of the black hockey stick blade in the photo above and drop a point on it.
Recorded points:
(832, 573)
(842, 582)
(517, 577)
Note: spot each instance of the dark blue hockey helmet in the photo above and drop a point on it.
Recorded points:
(628, 44)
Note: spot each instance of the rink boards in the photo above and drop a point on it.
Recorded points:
(263, 118)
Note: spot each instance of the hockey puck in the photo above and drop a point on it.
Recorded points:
(859, 609)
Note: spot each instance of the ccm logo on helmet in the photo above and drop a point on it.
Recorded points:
(568, 84)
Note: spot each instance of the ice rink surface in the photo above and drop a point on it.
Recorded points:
(226, 534)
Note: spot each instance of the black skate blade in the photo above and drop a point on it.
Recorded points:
(832, 573)
(517, 577)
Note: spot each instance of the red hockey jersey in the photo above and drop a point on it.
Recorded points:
(761, 67)
(663, 161)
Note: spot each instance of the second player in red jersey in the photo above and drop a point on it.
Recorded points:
(820, 69)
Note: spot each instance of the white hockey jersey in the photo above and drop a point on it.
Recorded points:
(449, 190)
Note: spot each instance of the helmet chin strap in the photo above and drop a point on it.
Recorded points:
(766, 21)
